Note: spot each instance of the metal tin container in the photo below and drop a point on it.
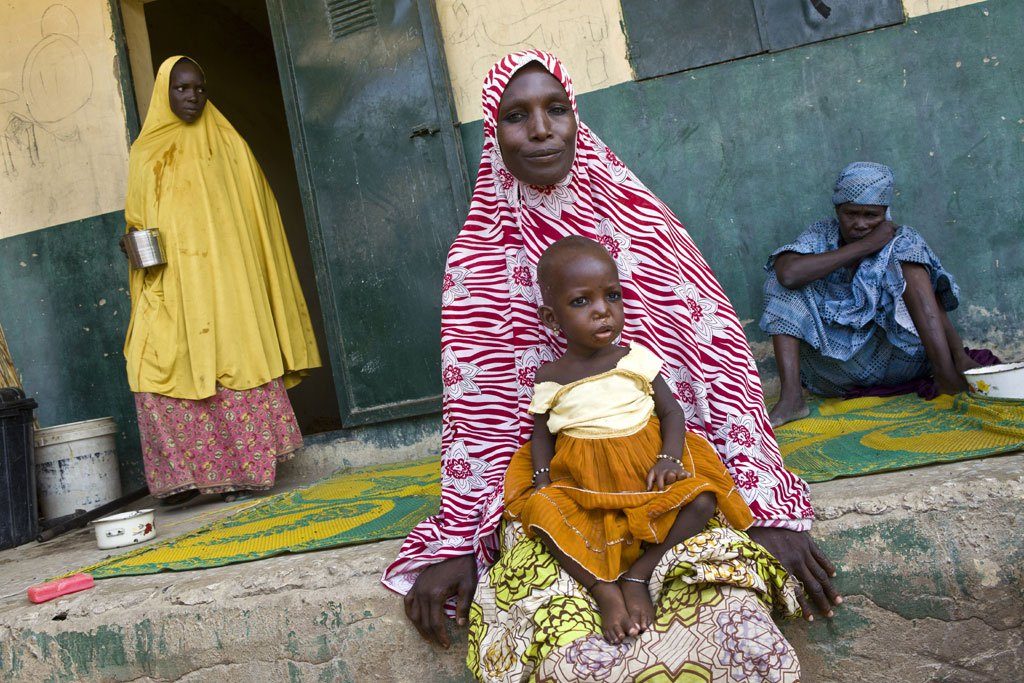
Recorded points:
(143, 248)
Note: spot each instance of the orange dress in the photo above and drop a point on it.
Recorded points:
(607, 438)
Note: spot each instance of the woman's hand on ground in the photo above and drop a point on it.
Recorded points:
(665, 472)
(424, 603)
(803, 559)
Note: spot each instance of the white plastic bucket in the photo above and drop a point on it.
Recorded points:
(76, 467)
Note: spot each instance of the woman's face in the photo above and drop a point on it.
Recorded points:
(536, 127)
(857, 220)
(187, 91)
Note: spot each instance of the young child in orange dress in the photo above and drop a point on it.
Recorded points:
(610, 479)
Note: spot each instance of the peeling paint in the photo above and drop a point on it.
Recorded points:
(77, 654)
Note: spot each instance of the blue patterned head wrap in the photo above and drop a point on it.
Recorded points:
(864, 182)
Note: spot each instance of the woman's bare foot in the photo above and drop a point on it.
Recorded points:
(787, 410)
(638, 602)
(615, 620)
(951, 385)
(179, 498)
(964, 362)
(951, 380)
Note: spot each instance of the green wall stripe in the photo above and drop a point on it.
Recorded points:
(64, 307)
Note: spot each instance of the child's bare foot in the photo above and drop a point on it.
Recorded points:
(787, 410)
(637, 595)
(615, 620)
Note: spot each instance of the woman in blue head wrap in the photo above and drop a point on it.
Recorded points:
(857, 301)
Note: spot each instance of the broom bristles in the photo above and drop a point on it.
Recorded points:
(9, 376)
(8, 373)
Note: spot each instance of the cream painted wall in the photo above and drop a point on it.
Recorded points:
(916, 8)
(586, 34)
(63, 139)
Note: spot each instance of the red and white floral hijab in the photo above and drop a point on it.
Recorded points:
(493, 342)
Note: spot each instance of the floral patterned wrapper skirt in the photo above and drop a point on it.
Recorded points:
(715, 594)
(230, 441)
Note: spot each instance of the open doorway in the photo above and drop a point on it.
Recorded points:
(232, 41)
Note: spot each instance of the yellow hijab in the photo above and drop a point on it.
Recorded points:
(227, 308)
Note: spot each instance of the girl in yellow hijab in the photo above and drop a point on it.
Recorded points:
(219, 332)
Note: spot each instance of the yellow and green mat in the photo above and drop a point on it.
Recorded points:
(838, 439)
(368, 504)
(870, 435)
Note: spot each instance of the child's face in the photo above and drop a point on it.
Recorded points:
(585, 300)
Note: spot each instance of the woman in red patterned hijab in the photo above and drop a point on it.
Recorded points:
(544, 175)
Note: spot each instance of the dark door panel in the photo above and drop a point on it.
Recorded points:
(384, 185)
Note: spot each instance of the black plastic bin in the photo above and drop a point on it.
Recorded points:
(19, 517)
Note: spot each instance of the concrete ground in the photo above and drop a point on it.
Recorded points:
(37, 562)
(322, 455)
(930, 565)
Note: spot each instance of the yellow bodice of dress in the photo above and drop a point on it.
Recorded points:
(615, 403)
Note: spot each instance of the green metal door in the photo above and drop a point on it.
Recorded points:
(384, 188)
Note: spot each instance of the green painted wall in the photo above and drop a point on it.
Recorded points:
(746, 152)
(65, 306)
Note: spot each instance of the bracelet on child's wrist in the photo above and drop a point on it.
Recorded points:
(666, 456)
(537, 473)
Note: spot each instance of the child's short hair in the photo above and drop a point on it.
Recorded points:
(556, 254)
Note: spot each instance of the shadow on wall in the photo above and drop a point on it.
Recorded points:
(231, 39)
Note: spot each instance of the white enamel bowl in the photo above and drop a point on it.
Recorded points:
(998, 381)
(125, 528)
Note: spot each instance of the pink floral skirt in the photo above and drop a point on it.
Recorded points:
(231, 441)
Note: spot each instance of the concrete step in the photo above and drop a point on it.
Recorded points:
(930, 566)
(323, 454)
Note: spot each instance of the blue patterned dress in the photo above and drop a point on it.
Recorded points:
(855, 328)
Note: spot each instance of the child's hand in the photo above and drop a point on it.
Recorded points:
(541, 480)
(664, 473)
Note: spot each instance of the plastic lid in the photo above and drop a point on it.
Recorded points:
(73, 431)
